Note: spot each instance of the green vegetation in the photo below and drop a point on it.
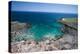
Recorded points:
(70, 20)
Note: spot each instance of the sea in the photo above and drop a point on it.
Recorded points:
(42, 23)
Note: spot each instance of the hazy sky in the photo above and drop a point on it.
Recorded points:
(44, 7)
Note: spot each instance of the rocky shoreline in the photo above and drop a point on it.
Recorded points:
(66, 42)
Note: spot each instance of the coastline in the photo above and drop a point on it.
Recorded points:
(65, 42)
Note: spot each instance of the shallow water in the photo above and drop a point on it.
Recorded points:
(38, 31)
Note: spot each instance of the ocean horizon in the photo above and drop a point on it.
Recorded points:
(39, 17)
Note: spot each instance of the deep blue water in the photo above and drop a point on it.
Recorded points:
(39, 17)
(42, 23)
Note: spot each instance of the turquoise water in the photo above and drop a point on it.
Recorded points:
(41, 30)
(37, 32)
(42, 24)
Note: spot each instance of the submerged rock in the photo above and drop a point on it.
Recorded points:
(17, 26)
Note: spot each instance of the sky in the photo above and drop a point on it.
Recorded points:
(73, 2)
(44, 7)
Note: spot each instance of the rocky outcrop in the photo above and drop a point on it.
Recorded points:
(17, 26)
(65, 43)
